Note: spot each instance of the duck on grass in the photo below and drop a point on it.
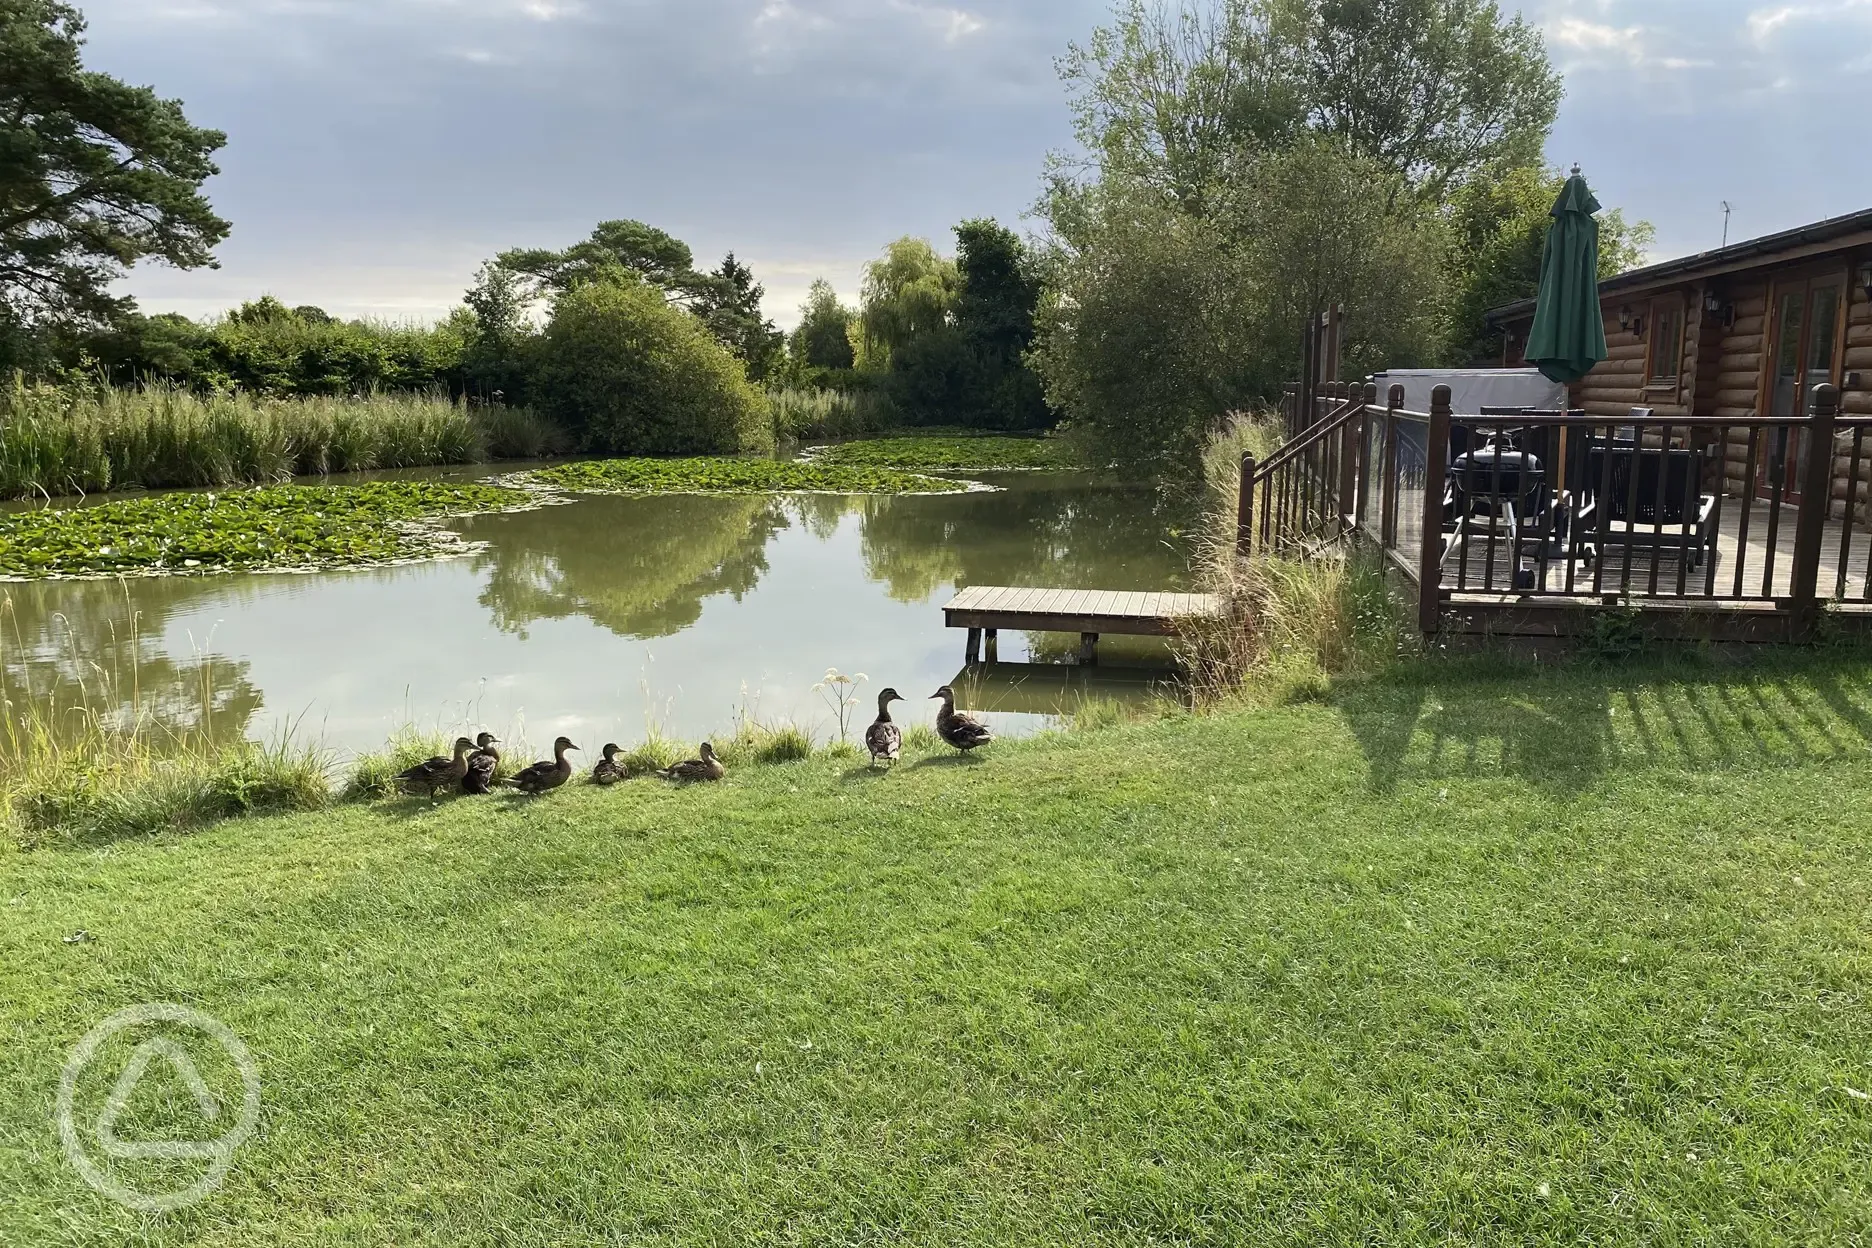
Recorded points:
(735, 476)
(274, 527)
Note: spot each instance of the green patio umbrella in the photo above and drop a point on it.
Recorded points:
(1568, 335)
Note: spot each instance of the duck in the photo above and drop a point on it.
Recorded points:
(479, 778)
(437, 773)
(883, 738)
(708, 767)
(608, 770)
(959, 729)
(546, 775)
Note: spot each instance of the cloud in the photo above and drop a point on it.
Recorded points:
(1765, 24)
(1599, 45)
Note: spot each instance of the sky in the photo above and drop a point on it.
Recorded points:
(379, 150)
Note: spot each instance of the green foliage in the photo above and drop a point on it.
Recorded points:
(801, 414)
(632, 374)
(286, 526)
(500, 340)
(95, 175)
(614, 248)
(729, 305)
(736, 476)
(953, 454)
(908, 292)
(998, 294)
(71, 439)
(1499, 231)
(823, 339)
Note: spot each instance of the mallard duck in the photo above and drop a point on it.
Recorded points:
(479, 778)
(961, 730)
(608, 770)
(546, 775)
(437, 773)
(708, 767)
(883, 738)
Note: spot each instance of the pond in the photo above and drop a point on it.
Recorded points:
(607, 615)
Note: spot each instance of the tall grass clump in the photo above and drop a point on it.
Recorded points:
(802, 414)
(72, 439)
(104, 764)
(1291, 621)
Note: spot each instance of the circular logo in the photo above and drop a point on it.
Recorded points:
(218, 1153)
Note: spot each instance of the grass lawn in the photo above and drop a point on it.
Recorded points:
(1477, 954)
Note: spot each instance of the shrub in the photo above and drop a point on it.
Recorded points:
(632, 375)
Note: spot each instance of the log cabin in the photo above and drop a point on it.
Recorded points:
(1747, 330)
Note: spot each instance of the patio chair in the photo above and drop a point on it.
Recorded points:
(1677, 519)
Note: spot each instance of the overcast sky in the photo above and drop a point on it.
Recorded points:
(378, 150)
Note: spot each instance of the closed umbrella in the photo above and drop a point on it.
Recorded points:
(1568, 335)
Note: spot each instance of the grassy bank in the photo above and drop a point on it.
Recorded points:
(68, 440)
(283, 526)
(1461, 954)
(951, 453)
(705, 475)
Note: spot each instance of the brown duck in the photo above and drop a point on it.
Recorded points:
(546, 775)
(437, 773)
(708, 767)
(959, 729)
(608, 770)
(479, 777)
(883, 738)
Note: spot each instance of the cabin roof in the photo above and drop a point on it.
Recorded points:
(1749, 253)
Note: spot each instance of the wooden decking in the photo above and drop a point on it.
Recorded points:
(986, 609)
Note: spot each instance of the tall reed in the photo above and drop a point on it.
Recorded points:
(799, 414)
(60, 440)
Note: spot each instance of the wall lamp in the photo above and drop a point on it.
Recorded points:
(1716, 306)
(1865, 279)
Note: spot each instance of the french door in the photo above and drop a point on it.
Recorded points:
(1805, 320)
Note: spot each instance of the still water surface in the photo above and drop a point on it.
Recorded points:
(602, 616)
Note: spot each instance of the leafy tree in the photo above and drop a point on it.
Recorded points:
(998, 291)
(635, 376)
(502, 337)
(907, 292)
(823, 338)
(729, 303)
(1499, 230)
(614, 247)
(95, 175)
(1437, 91)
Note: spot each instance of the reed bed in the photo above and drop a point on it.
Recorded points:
(801, 414)
(63, 440)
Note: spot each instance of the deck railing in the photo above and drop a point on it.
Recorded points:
(1689, 515)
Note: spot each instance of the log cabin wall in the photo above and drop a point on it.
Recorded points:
(1722, 373)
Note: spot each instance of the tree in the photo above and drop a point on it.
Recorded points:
(998, 292)
(635, 376)
(907, 292)
(729, 304)
(497, 357)
(823, 337)
(95, 175)
(1438, 91)
(1499, 230)
(614, 247)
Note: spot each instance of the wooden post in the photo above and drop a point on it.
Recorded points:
(1335, 329)
(1387, 487)
(1810, 522)
(1430, 558)
(992, 636)
(971, 654)
(1088, 649)
(1244, 507)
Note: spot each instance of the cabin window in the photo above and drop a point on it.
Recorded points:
(1664, 361)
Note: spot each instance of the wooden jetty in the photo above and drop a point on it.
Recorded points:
(986, 609)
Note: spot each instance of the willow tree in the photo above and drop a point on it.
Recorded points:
(908, 292)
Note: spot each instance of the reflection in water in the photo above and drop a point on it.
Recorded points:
(640, 567)
(101, 648)
(594, 617)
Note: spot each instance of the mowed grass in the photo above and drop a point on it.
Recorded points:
(1464, 954)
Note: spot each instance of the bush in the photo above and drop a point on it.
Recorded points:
(634, 376)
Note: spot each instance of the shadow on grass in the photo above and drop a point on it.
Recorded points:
(1562, 727)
